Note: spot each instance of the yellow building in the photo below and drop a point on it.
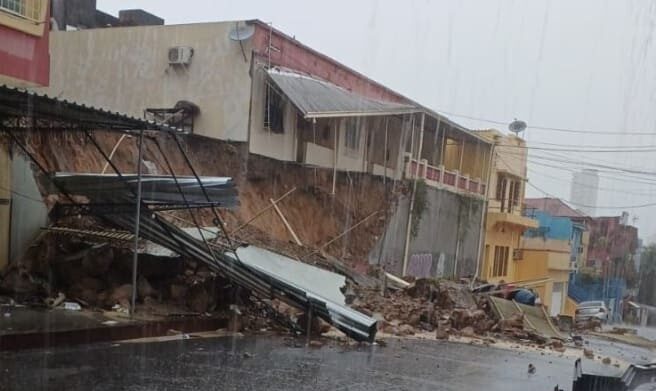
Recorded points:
(547, 259)
(504, 221)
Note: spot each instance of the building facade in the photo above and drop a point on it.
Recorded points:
(246, 82)
(584, 190)
(24, 63)
(504, 221)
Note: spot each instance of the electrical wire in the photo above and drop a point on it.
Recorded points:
(592, 206)
(575, 203)
(608, 189)
(554, 129)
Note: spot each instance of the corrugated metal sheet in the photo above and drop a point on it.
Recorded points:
(156, 189)
(266, 274)
(15, 102)
(317, 98)
(535, 318)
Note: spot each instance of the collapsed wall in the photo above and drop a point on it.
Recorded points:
(312, 211)
(444, 240)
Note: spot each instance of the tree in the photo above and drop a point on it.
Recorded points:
(647, 276)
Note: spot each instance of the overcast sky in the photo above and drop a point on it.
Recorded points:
(580, 65)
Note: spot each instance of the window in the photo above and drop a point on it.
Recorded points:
(508, 193)
(502, 182)
(28, 9)
(500, 265)
(514, 195)
(352, 139)
(273, 111)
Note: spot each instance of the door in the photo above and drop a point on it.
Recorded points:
(556, 299)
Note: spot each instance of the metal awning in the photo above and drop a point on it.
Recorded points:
(320, 99)
(26, 109)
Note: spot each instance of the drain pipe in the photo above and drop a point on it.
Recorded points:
(481, 234)
(408, 228)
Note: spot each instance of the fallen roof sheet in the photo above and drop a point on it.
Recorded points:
(15, 102)
(156, 189)
(535, 318)
(266, 274)
(321, 287)
(261, 282)
(318, 98)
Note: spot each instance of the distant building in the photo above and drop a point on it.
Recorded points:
(82, 14)
(554, 250)
(585, 186)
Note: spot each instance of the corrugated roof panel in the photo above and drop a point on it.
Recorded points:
(317, 98)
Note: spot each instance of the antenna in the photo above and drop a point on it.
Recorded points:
(241, 32)
(517, 126)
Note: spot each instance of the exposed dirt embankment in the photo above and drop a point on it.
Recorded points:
(313, 212)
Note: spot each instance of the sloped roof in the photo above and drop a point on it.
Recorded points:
(317, 98)
(16, 102)
(554, 206)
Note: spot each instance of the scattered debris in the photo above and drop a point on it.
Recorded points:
(588, 353)
(606, 361)
(71, 306)
(55, 302)
(531, 368)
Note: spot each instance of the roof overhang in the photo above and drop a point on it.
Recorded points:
(316, 98)
(51, 113)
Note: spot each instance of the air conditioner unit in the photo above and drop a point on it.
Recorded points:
(180, 55)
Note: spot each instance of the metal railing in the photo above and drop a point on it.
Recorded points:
(439, 176)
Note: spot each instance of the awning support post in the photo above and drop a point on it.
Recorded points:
(135, 254)
(408, 228)
(335, 154)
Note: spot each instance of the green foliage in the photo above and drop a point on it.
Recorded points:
(648, 259)
(420, 205)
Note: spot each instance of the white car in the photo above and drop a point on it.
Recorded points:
(587, 310)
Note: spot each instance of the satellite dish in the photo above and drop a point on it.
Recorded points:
(517, 126)
(241, 32)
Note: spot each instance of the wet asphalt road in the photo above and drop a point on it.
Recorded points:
(275, 363)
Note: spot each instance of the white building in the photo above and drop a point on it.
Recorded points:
(585, 186)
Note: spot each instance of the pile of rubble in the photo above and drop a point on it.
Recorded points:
(427, 305)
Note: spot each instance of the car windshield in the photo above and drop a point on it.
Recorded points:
(327, 195)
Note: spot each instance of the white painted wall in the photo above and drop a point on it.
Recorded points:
(281, 146)
(126, 69)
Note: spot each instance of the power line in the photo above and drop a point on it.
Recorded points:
(614, 150)
(554, 129)
(592, 206)
(623, 191)
(575, 203)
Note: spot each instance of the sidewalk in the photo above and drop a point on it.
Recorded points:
(26, 328)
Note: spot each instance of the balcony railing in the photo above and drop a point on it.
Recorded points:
(439, 176)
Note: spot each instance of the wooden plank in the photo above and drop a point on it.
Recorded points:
(284, 220)
(259, 213)
(345, 232)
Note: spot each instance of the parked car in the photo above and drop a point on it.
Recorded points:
(587, 310)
